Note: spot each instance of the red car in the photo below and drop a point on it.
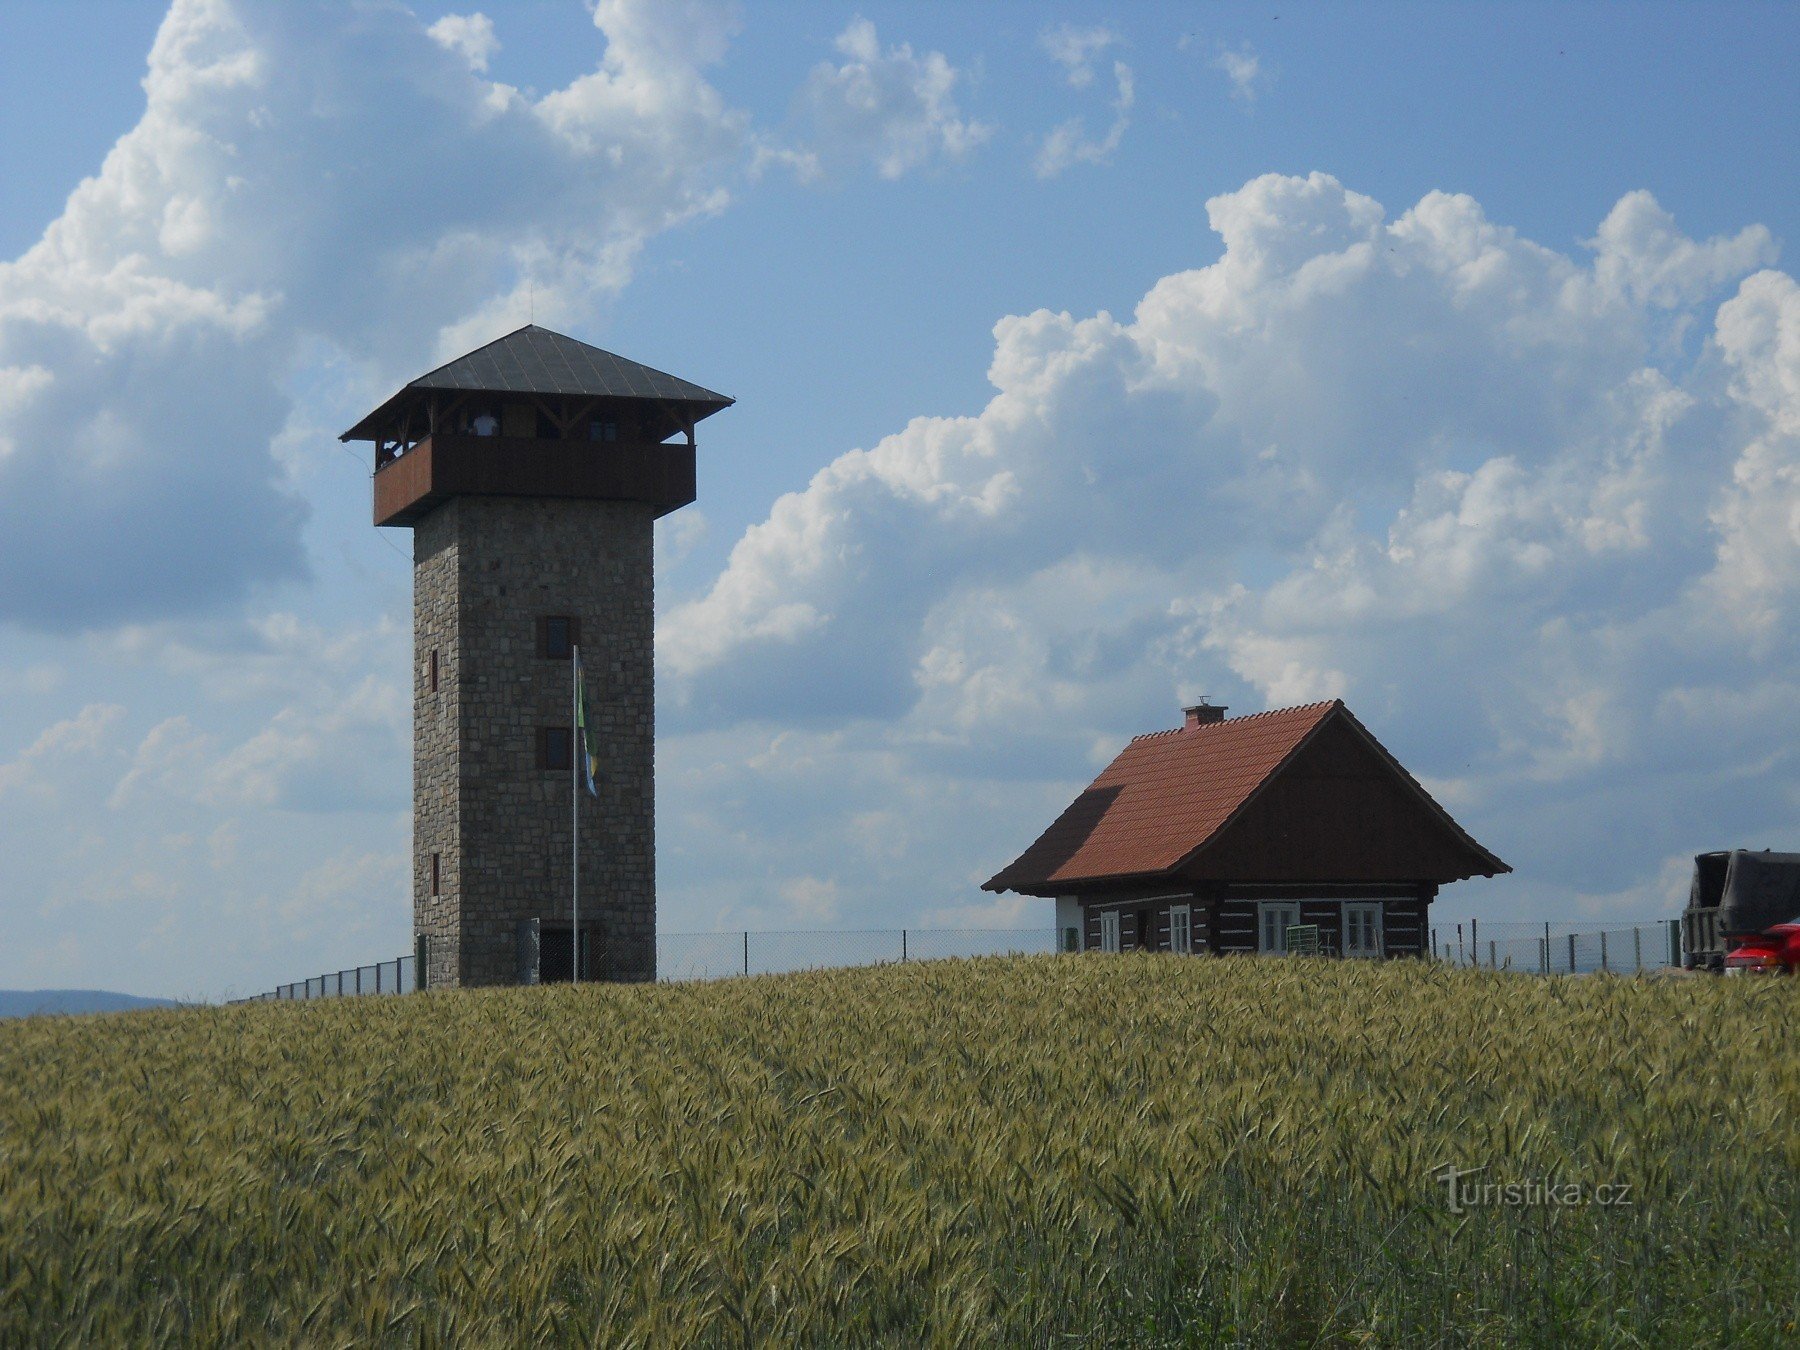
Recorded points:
(1774, 952)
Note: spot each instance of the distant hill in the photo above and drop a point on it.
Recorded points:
(25, 1002)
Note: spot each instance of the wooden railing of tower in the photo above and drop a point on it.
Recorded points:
(443, 466)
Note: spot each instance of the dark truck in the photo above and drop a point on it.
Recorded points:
(1736, 895)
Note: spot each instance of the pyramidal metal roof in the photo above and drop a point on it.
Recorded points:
(534, 360)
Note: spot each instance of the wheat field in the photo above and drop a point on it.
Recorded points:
(1131, 1150)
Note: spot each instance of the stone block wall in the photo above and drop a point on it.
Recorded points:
(486, 570)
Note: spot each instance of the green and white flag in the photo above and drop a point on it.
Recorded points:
(584, 741)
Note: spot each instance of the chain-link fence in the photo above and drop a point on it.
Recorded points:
(1540, 948)
(711, 956)
(399, 976)
(1560, 949)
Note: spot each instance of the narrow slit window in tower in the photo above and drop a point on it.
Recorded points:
(553, 749)
(557, 636)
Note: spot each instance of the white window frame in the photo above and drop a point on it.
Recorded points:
(1109, 930)
(1365, 915)
(1265, 911)
(1181, 928)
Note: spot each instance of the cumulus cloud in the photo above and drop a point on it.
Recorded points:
(1421, 462)
(1070, 143)
(1757, 517)
(889, 106)
(297, 178)
(470, 36)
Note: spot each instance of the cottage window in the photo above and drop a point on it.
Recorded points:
(1181, 928)
(1273, 919)
(1362, 929)
(1109, 931)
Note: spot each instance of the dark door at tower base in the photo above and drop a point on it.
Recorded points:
(554, 965)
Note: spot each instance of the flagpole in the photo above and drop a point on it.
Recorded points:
(574, 816)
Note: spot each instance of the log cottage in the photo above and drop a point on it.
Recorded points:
(1225, 833)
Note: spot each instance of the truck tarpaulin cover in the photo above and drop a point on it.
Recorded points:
(1761, 890)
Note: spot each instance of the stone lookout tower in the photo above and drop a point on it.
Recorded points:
(530, 472)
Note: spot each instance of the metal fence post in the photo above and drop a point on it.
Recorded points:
(1637, 947)
(1493, 960)
(746, 951)
(1571, 953)
(1603, 949)
(903, 944)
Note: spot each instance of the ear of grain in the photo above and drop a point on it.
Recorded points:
(1127, 1148)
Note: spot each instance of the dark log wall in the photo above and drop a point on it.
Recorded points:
(1133, 909)
(1402, 925)
(1335, 812)
(1229, 926)
(1236, 928)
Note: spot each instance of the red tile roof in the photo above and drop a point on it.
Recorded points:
(1170, 793)
(1165, 794)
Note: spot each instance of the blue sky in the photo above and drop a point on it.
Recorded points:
(1443, 358)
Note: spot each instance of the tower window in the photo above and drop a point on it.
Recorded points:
(553, 749)
(603, 431)
(436, 876)
(557, 636)
(434, 676)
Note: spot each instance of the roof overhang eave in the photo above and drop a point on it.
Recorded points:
(1048, 888)
(365, 429)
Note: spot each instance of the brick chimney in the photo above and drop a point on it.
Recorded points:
(1203, 713)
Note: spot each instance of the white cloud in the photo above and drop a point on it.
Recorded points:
(1642, 255)
(888, 106)
(1458, 478)
(1243, 67)
(1070, 143)
(470, 36)
(39, 764)
(811, 900)
(329, 736)
(216, 826)
(299, 176)
(1075, 49)
(1757, 579)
